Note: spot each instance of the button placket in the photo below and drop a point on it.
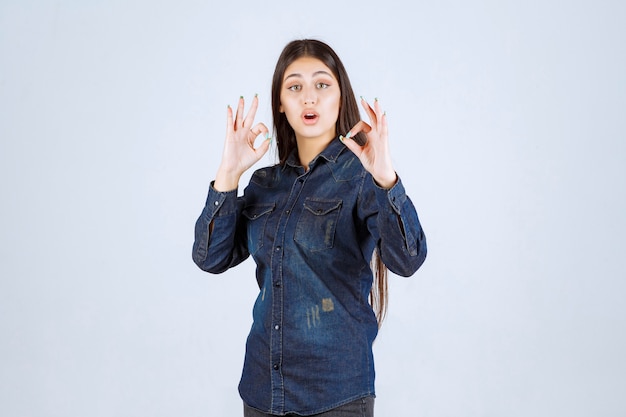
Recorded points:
(276, 348)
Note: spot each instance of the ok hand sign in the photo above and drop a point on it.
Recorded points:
(374, 154)
(239, 152)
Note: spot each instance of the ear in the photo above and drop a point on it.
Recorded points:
(280, 109)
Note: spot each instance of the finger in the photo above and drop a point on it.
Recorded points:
(377, 107)
(384, 130)
(252, 112)
(229, 119)
(379, 112)
(257, 130)
(352, 145)
(239, 114)
(263, 148)
(369, 110)
(361, 126)
(381, 119)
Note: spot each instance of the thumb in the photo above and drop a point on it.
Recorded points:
(263, 147)
(351, 144)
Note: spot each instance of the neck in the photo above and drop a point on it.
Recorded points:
(309, 148)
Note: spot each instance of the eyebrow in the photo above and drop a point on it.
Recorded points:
(298, 75)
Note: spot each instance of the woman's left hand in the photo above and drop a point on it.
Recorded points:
(374, 154)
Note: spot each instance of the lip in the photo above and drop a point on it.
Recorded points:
(309, 117)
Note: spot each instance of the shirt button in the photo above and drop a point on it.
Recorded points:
(276, 366)
(217, 203)
(277, 327)
(277, 284)
(287, 211)
(277, 248)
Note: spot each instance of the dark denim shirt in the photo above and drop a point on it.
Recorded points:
(311, 235)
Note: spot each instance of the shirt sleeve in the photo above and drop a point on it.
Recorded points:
(393, 222)
(220, 233)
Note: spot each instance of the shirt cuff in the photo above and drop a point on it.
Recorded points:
(221, 203)
(394, 196)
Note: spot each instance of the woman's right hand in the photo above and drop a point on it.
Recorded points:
(239, 152)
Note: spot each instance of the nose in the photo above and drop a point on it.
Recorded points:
(309, 97)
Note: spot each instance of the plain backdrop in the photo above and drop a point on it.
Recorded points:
(507, 126)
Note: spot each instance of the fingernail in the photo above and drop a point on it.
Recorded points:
(256, 94)
(375, 98)
(241, 97)
(341, 138)
(267, 135)
(348, 135)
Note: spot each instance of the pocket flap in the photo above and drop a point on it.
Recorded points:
(255, 211)
(321, 207)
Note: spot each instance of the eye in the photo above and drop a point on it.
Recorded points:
(322, 85)
(295, 87)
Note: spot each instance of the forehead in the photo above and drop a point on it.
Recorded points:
(307, 66)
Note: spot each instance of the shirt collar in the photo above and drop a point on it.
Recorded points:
(330, 154)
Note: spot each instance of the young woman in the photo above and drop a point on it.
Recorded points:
(321, 225)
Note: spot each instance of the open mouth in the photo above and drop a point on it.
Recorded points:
(310, 117)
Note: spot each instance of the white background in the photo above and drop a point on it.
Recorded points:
(507, 127)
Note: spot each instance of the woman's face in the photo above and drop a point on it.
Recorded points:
(310, 98)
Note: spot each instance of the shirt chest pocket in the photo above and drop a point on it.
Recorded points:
(256, 216)
(317, 224)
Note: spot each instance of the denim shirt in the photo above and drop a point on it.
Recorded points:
(311, 234)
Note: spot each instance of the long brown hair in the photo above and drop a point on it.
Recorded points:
(348, 116)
